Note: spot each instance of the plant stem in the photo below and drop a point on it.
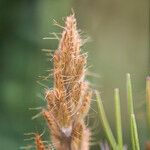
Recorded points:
(133, 126)
(118, 119)
(105, 123)
(135, 134)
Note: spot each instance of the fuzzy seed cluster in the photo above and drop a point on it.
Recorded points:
(69, 100)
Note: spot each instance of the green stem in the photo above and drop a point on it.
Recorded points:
(105, 123)
(129, 95)
(118, 119)
(133, 126)
(135, 133)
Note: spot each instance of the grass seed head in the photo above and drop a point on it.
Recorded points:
(69, 100)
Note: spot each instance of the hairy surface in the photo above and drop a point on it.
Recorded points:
(69, 100)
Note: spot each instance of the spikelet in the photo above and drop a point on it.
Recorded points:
(77, 136)
(39, 143)
(69, 100)
(51, 122)
(85, 139)
(84, 108)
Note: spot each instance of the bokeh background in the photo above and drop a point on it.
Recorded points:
(119, 43)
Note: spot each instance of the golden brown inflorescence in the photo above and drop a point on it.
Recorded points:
(69, 100)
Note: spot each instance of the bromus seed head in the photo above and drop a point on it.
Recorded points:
(69, 100)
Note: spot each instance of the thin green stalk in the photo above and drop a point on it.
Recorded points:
(118, 119)
(105, 123)
(135, 133)
(129, 95)
(132, 136)
(130, 107)
(133, 127)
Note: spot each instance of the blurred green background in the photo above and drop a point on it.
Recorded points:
(119, 33)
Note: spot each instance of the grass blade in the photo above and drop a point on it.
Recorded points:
(135, 133)
(105, 123)
(130, 107)
(133, 127)
(118, 119)
(129, 95)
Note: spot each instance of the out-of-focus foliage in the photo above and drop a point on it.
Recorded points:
(23, 24)
(119, 33)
